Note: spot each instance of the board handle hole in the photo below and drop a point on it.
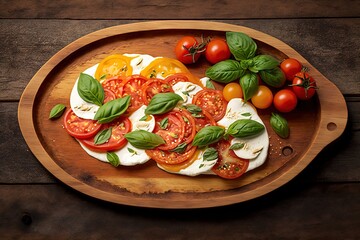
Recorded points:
(287, 150)
(331, 126)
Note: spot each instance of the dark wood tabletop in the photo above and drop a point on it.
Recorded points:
(322, 202)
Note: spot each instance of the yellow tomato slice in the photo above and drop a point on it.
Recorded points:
(179, 166)
(163, 67)
(114, 65)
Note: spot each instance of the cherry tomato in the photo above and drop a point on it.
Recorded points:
(217, 50)
(229, 165)
(114, 65)
(304, 86)
(211, 101)
(290, 67)
(232, 90)
(263, 98)
(285, 100)
(78, 127)
(120, 127)
(188, 50)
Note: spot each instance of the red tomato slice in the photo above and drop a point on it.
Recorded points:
(204, 119)
(78, 127)
(229, 165)
(171, 127)
(115, 84)
(190, 127)
(109, 95)
(211, 101)
(132, 86)
(154, 86)
(169, 157)
(175, 78)
(120, 127)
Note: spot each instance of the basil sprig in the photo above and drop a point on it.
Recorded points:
(241, 45)
(244, 128)
(57, 111)
(263, 62)
(280, 125)
(208, 135)
(112, 109)
(162, 103)
(90, 89)
(143, 139)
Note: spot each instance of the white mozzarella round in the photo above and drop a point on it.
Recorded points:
(139, 123)
(139, 62)
(186, 90)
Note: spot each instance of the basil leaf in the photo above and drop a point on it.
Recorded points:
(192, 108)
(210, 154)
(90, 89)
(249, 84)
(280, 125)
(209, 84)
(143, 139)
(208, 135)
(263, 62)
(164, 123)
(245, 128)
(57, 111)
(180, 148)
(102, 136)
(162, 103)
(241, 45)
(225, 71)
(273, 77)
(237, 146)
(113, 158)
(132, 151)
(112, 109)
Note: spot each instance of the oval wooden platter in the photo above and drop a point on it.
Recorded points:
(313, 124)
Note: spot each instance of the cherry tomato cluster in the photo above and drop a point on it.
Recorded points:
(188, 50)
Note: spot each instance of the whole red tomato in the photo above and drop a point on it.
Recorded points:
(290, 67)
(217, 50)
(304, 86)
(285, 100)
(188, 50)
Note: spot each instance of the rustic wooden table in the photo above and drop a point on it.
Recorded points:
(322, 202)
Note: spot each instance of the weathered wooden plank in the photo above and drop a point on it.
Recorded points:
(170, 9)
(330, 45)
(337, 163)
(292, 212)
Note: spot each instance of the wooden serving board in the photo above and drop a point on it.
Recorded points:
(313, 124)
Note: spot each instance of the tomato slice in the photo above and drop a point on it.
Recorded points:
(190, 127)
(171, 127)
(163, 67)
(211, 101)
(170, 157)
(154, 86)
(120, 127)
(78, 127)
(133, 87)
(182, 165)
(203, 119)
(115, 84)
(177, 77)
(109, 95)
(114, 65)
(229, 165)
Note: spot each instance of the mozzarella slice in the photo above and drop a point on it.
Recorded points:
(139, 62)
(186, 90)
(140, 121)
(81, 108)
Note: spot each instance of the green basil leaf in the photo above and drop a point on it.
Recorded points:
(180, 148)
(113, 158)
(210, 154)
(249, 84)
(273, 77)
(208, 135)
(192, 108)
(132, 151)
(237, 146)
(209, 84)
(263, 62)
(90, 89)
(164, 123)
(241, 45)
(162, 103)
(57, 111)
(102, 136)
(143, 139)
(225, 71)
(244, 128)
(280, 125)
(112, 109)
